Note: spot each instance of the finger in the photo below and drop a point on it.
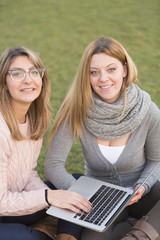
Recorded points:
(73, 208)
(139, 195)
(80, 201)
(134, 199)
(132, 202)
(141, 190)
(82, 206)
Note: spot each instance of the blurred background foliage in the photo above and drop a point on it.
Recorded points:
(59, 30)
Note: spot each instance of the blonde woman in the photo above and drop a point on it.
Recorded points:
(24, 118)
(118, 126)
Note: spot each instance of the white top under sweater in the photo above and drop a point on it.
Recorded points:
(111, 153)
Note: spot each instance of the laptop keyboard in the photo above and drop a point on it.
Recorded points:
(103, 202)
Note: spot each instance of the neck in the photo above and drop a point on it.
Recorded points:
(21, 119)
(21, 112)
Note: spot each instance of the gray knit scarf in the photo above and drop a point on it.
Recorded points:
(104, 120)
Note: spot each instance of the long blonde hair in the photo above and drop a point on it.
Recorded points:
(79, 98)
(39, 111)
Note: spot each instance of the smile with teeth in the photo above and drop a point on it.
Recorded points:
(27, 90)
(106, 87)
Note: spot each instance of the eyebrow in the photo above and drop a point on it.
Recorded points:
(106, 66)
(18, 68)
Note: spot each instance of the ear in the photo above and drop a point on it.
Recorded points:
(125, 70)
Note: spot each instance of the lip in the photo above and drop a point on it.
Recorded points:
(27, 89)
(106, 87)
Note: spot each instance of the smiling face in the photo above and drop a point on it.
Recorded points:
(106, 76)
(23, 93)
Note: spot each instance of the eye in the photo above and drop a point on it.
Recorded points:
(94, 73)
(16, 73)
(35, 72)
(112, 69)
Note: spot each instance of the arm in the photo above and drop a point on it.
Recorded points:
(35, 182)
(55, 163)
(152, 148)
(14, 200)
(21, 190)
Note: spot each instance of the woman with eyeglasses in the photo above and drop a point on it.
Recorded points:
(24, 119)
(118, 126)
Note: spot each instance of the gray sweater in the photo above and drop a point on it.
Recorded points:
(140, 155)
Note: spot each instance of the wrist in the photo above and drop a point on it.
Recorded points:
(46, 196)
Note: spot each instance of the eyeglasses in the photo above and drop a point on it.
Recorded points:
(18, 74)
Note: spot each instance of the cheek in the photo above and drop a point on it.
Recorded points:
(93, 82)
(11, 87)
(120, 83)
(12, 91)
(40, 85)
(118, 78)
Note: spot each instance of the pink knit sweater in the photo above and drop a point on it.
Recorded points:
(21, 190)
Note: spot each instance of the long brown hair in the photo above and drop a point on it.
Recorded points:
(39, 111)
(79, 98)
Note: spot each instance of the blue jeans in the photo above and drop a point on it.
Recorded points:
(17, 227)
(19, 231)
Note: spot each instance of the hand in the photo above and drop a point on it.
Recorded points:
(138, 195)
(69, 200)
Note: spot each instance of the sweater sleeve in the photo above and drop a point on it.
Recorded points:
(15, 202)
(60, 147)
(152, 149)
(35, 182)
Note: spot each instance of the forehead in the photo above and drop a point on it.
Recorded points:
(21, 62)
(102, 59)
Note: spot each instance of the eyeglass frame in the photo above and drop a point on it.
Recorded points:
(25, 71)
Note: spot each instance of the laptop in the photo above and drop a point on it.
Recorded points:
(108, 201)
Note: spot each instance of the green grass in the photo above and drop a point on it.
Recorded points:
(59, 30)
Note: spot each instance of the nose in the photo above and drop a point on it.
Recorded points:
(103, 76)
(27, 78)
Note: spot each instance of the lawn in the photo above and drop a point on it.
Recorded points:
(59, 30)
